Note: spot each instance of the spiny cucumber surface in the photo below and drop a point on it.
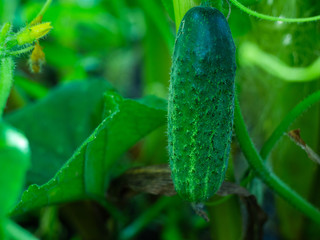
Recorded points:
(201, 103)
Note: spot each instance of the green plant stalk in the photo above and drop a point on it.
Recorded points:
(287, 121)
(251, 54)
(16, 232)
(282, 128)
(136, 226)
(218, 4)
(168, 5)
(44, 8)
(159, 19)
(4, 32)
(268, 177)
(110, 208)
(21, 51)
(271, 18)
(6, 80)
(180, 9)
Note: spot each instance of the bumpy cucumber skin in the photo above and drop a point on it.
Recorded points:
(201, 103)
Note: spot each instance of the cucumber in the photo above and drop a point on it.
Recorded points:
(201, 104)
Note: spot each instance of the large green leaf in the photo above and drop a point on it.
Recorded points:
(87, 173)
(57, 125)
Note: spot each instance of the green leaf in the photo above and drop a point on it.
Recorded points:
(87, 173)
(57, 125)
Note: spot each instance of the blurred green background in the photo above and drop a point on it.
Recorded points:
(129, 44)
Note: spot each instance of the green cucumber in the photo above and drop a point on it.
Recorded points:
(201, 103)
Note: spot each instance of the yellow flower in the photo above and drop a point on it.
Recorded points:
(32, 33)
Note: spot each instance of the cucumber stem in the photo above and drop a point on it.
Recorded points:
(181, 7)
(21, 51)
(282, 128)
(287, 121)
(44, 8)
(4, 32)
(250, 54)
(268, 177)
(272, 18)
(6, 80)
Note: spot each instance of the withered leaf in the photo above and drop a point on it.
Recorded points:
(228, 188)
(255, 218)
(296, 138)
(156, 179)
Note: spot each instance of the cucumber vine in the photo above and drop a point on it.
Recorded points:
(283, 127)
(272, 18)
(256, 160)
(250, 54)
(266, 175)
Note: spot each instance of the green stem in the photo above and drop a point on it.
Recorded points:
(6, 80)
(271, 18)
(268, 177)
(287, 121)
(16, 232)
(138, 224)
(4, 32)
(44, 8)
(220, 5)
(21, 51)
(111, 209)
(159, 19)
(180, 9)
(251, 54)
(282, 128)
